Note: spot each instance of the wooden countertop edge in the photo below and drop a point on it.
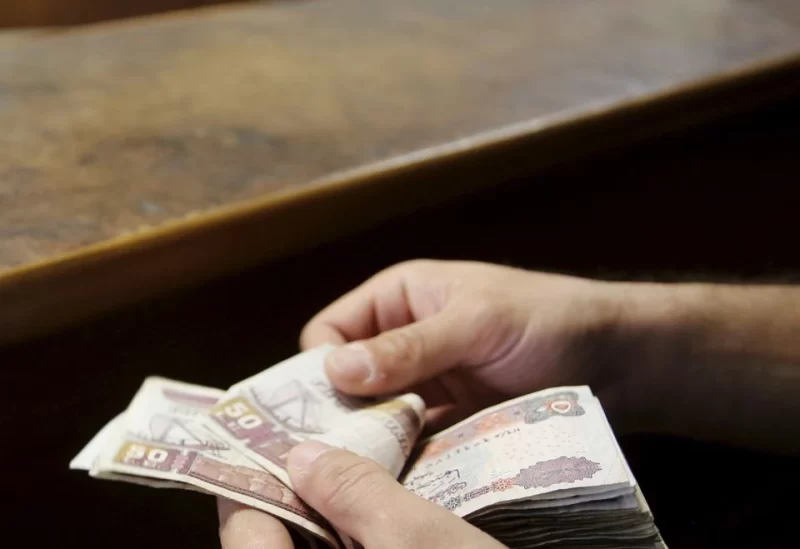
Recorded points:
(47, 295)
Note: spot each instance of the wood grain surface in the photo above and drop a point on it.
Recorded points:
(144, 155)
(16, 37)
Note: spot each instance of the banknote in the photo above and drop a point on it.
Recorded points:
(268, 414)
(552, 444)
(535, 471)
(542, 470)
(163, 437)
(85, 460)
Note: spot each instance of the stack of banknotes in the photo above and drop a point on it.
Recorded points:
(543, 470)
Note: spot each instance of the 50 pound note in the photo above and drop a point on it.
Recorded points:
(163, 440)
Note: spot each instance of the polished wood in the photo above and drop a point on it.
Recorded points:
(17, 37)
(45, 13)
(141, 156)
(717, 205)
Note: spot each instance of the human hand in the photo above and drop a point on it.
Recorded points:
(357, 497)
(465, 335)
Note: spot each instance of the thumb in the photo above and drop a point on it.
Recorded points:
(361, 499)
(400, 358)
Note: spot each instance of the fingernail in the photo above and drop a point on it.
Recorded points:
(303, 456)
(352, 363)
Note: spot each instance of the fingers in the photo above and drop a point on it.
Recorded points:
(379, 304)
(361, 499)
(241, 527)
(399, 358)
(321, 333)
(451, 397)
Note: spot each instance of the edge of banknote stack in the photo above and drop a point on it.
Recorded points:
(543, 470)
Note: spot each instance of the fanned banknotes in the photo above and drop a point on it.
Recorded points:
(543, 470)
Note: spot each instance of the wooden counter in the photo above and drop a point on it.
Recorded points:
(145, 155)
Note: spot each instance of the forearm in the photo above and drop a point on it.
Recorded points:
(718, 362)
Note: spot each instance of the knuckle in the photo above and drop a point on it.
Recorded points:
(492, 322)
(305, 333)
(346, 484)
(400, 271)
(484, 310)
(405, 346)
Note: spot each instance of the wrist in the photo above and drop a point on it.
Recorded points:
(654, 335)
(712, 362)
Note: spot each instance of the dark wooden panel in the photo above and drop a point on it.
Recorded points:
(41, 13)
(140, 156)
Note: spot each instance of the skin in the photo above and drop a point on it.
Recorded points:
(712, 362)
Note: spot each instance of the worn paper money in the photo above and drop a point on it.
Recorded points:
(542, 470)
(553, 443)
(164, 439)
(266, 415)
